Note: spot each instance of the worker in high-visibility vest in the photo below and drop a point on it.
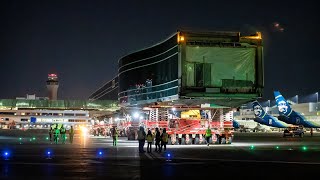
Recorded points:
(208, 135)
(164, 140)
(63, 134)
(115, 135)
(71, 134)
(56, 135)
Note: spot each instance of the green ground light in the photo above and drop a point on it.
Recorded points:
(252, 147)
(304, 148)
(277, 147)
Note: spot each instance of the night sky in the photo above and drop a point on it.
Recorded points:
(82, 41)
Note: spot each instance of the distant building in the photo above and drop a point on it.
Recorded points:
(52, 85)
(33, 97)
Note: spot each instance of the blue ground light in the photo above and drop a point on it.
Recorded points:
(168, 156)
(100, 154)
(48, 154)
(6, 155)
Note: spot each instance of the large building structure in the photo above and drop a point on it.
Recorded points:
(190, 68)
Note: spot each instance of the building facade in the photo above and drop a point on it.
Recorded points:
(190, 67)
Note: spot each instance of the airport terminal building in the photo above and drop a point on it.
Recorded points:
(190, 67)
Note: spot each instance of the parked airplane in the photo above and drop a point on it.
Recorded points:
(288, 115)
(264, 118)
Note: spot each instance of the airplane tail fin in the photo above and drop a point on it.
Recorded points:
(282, 104)
(258, 110)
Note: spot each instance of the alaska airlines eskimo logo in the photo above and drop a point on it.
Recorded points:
(282, 107)
(257, 110)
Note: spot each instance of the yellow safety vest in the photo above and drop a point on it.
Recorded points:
(149, 138)
(165, 137)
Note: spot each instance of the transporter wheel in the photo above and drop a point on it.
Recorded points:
(210, 140)
(196, 140)
(188, 139)
(183, 141)
(301, 135)
(176, 141)
(169, 141)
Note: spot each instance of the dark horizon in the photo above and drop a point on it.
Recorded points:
(82, 41)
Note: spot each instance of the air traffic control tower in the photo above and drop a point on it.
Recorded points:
(52, 85)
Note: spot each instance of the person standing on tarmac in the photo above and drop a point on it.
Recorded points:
(71, 134)
(50, 134)
(114, 136)
(63, 134)
(164, 140)
(150, 138)
(56, 135)
(157, 140)
(141, 139)
(208, 135)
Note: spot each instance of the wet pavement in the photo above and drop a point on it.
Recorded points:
(251, 155)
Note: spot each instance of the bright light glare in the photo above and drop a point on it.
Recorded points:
(136, 115)
(84, 130)
(48, 152)
(169, 155)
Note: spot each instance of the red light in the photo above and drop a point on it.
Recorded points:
(52, 75)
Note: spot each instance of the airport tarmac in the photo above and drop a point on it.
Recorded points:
(252, 155)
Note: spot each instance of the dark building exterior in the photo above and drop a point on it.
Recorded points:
(191, 68)
(108, 91)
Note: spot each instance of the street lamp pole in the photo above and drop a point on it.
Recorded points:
(317, 96)
(269, 102)
(297, 99)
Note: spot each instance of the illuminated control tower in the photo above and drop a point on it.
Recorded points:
(52, 85)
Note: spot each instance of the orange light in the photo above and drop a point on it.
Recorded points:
(180, 38)
(257, 36)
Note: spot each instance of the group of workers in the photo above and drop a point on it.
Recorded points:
(54, 133)
(160, 139)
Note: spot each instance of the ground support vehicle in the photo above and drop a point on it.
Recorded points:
(292, 132)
